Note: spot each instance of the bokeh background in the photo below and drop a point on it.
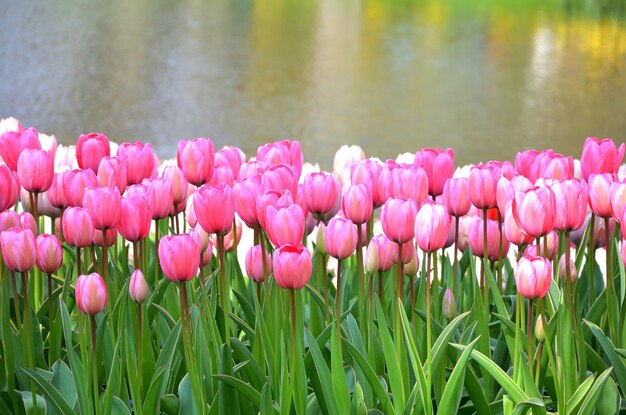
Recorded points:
(488, 78)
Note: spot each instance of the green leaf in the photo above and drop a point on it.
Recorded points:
(579, 395)
(394, 371)
(63, 381)
(52, 394)
(323, 373)
(609, 349)
(594, 393)
(452, 393)
(75, 363)
(245, 389)
(340, 384)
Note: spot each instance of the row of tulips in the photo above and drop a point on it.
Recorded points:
(534, 330)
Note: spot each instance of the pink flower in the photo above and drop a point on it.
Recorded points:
(215, 208)
(245, 193)
(321, 192)
(410, 182)
(138, 289)
(282, 152)
(483, 182)
(292, 266)
(456, 196)
(162, 196)
(13, 143)
(512, 230)
(600, 156)
(398, 219)
(90, 149)
(432, 226)
(105, 238)
(618, 199)
(91, 294)
(285, 225)
(357, 204)
(600, 194)
(196, 159)
(367, 172)
(258, 267)
(56, 192)
(103, 205)
(19, 250)
(135, 216)
(534, 211)
(179, 256)
(438, 165)
(340, 237)
(7, 182)
(77, 227)
(231, 158)
(75, 182)
(112, 173)
(180, 186)
(139, 160)
(279, 177)
(571, 198)
(533, 276)
(345, 159)
(35, 169)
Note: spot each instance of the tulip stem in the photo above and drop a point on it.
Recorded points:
(139, 356)
(518, 329)
(223, 288)
(258, 291)
(105, 270)
(235, 236)
(338, 299)
(538, 370)
(455, 283)
(156, 252)
(33, 205)
(591, 259)
(16, 301)
(188, 346)
(484, 264)
(50, 309)
(610, 295)
(428, 334)
(361, 278)
(500, 253)
(79, 269)
(94, 363)
(294, 348)
(529, 323)
(400, 280)
(380, 287)
(28, 333)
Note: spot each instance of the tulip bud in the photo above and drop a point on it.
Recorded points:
(90, 149)
(411, 267)
(19, 249)
(341, 238)
(49, 253)
(540, 333)
(91, 294)
(448, 308)
(77, 227)
(573, 272)
(533, 276)
(258, 266)
(371, 257)
(138, 289)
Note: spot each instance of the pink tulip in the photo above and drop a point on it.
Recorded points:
(13, 143)
(381, 252)
(512, 230)
(112, 173)
(321, 192)
(357, 204)
(180, 186)
(215, 208)
(555, 166)
(56, 192)
(44, 207)
(137, 288)
(139, 160)
(230, 158)
(285, 225)
(282, 152)
(571, 198)
(340, 238)
(222, 174)
(251, 169)
(9, 219)
(551, 250)
(345, 159)
(179, 256)
(7, 184)
(19, 250)
(618, 199)
(135, 216)
(77, 227)
(90, 149)
(476, 239)
(258, 267)
(99, 237)
(410, 182)
(49, 253)
(507, 188)
(600, 156)
(162, 196)
(573, 272)
(91, 294)
(525, 164)
(75, 182)
(483, 183)
(600, 194)
(533, 276)
(398, 219)
(438, 165)
(245, 193)
(229, 238)
(279, 177)
(292, 266)
(273, 198)
(201, 237)
(103, 205)
(196, 159)
(27, 221)
(599, 236)
(207, 256)
(534, 211)
(367, 172)
(407, 254)
(432, 226)
(456, 196)
(35, 170)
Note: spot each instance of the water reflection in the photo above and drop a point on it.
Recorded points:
(488, 78)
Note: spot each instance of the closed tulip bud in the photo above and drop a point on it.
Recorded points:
(357, 204)
(292, 266)
(534, 211)
(13, 143)
(507, 188)
(398, 219)
(138, 289)
(371, 258)
(99, 237)
(245, 193)
(432, 226)
(525, 164)
(75, 182)
(258, 267)
(91, 294)
(103, 205)
(207, 255)
(90, 149)
(180, 186)
(56, 192)
(555, 166)
(533, 276)
(19, 249)
(77, 227)
(6, 183)
(600, 194)
(456, 196)
(139, 160)
(438, 165)
(320, 239)
(573, 272)
(345, 158)
(448, 307)
(279, 177)
(367, 172)
(600, 156)
(282, 152)
(179, 256)
(412, 266)
(476, 239)
(271, 198)
(196, 159)
(9, 219)
(540, 333)
(45, 208)
(27, 221)
(571, 200)
(112, 173)
(135, 216)
(35, 170)
(214, 207)
(222, 174)
(341, 238)
(408, 251)
(483, 183)
(321, 192)
(285, 225)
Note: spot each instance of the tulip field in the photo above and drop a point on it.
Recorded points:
(220, 283)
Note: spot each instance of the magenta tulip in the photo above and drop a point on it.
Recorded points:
(162, 197)
(49, 253)
(137, 288)
(35, 170)
(357, 204)
(456, 196)
(600, 156)
(180, 185)
(282, 152)
(600, 194)
(215, 208)
(13, 143)
(103, 205)
(56, 192)
(135, 216)
(340, 238)
(75, 182)
(534, 211)
(483, 183)
(139, 160)
(438, 165)
(321, 192)
(112, 173)
(279, 177)
(512, 230)
(245, 193)
(90, 149)
(196, 159)
(77, 227)
(179, 256)
(367, 172)
(410, 182)
(571, 198)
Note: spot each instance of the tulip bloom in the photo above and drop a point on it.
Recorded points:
(432, 225)
(285, 225)
(230, 158)
(251, 169)
(245, 193)
(90, 149)
(282, 152)
(477, 241)
(321, 192)
(533, 276)
(534, 211)
(438, 165)
(258, 267)
(49, 253)
(138, 289)
(483, 183)
(7, 181)
(292, 266)
(91, 294)
(103, 205)
(75, 182)
(77, 227)
(13, 143)
(19, 250)
(162, 197)
(179, 256)
(398, 219)
(196, 160)
(99, 237)
(618, 199)
(600, 194)
(550, 249)
(135, 216)
(507, 188)
(573, 272)
(112, 173)
(600, 156)
(27, 221)
(180, 185)
(456, 196)
(215, 208)
(139, 160)
(56, 192)
(279, 177)
(512, 230)
(357, 204)
(9, 219)
(571, 198)
(340, 237)
(35, 170)
(525, 164)
(345, 159)
(271, 198)
(367, 172)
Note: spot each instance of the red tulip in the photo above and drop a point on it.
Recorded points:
(103, 205)
(367, 172)
(600, 156)
(285, 225)
(75, 182)
(282, 152)
(13, 143)
(571, 198)
(398, 219)
(77, 227)
(19, 250)
(483, 183)
(534, 211)
(340, 238)
(292, 266)
(179, 256)
(245, 193)
(112, 173)
(600, 194)
(533, 276)
(90, 149)
(180, 186)
(456, 196)
(49, 253)
(438, 165)
(139, 160)
(258, 267)
(137, 288)
(215, 208)
(432, 225)
(35, 169)
(135, 216)
(357, 204)
(91, 294)
(196, 159)
(162, 196)
(321, 192)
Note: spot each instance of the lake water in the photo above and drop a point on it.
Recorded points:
(486, 77)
